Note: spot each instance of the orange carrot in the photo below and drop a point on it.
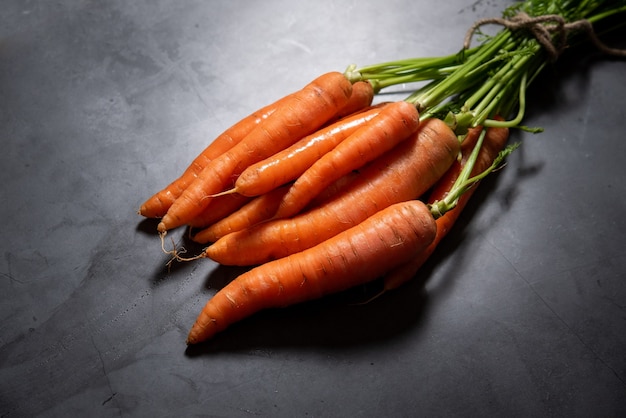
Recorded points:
(394, 123)
(355, 256)
(259, 209)
(361, 97)
(301, 114)
(404, 173)
(288, 164)
(332, 191)
(222, 207)
(494, 142)
(158, 204)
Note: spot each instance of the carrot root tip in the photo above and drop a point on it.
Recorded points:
(176, 252)
(225, 192)
(370, 299)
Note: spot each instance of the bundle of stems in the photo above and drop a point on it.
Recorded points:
(473, 86)
(469, 87)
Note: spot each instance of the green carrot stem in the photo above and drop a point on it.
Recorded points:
(491, 123)
(450, 85)
(440, 207)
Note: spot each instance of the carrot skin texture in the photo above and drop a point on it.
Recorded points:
(404, 173)
(259, 209)
(157, 205)
(355, 256)
(396, 122)
(288, 164)
(361, 97)
(494, 142)
(222, 207)
(304, 112)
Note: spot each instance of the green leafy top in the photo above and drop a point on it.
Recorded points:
(470, 88)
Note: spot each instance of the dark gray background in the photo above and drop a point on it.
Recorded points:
(521, 313)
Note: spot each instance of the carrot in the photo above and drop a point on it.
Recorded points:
(332, 191)
(361, 97)
(404, 173)
(494, 142)
(301, 114)
(355, 256)
(393, 124)
(257, 210)
(222, 207)
(288, 164)
(158, 204)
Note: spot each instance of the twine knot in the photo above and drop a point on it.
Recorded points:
(551, 32)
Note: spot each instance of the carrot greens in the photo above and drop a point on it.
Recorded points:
(470, 87)
(473, 86)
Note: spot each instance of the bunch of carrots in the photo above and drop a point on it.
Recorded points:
(323, 190)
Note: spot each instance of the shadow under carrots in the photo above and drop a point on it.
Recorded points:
(332, 322)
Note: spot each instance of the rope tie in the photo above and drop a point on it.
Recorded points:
(542, 28)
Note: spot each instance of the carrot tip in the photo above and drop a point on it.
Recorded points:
(371, 298)
(224, 193)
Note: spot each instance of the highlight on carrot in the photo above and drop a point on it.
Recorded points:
(406, 172)
(302, 113)
(395, 122)
(358, 255)
(291, 162)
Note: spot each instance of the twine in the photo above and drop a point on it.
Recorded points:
(542, 28)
